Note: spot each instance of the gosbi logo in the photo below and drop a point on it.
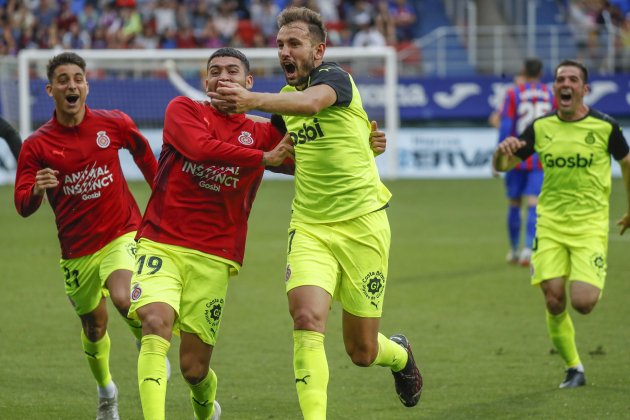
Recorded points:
(577, 161)
(245, 138)
(307, 133)
(102, 140)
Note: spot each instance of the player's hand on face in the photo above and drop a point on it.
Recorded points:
(509, 146)
(283, 150)
(231, 97)
(378, 141)
(624, 222)
(44, 179)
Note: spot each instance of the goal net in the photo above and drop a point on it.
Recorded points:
(142, 82)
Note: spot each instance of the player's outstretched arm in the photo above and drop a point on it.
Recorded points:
(624, 222)
(504, 157)
(234, 98)
(283, 150)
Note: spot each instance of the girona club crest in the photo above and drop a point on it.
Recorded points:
(102, 140)
(246, 138)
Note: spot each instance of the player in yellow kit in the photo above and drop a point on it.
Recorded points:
(574, 144)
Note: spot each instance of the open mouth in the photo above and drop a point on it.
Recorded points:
(72, 99)
(289, 68)
(565, 97)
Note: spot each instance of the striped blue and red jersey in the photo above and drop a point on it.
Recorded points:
(524, 103)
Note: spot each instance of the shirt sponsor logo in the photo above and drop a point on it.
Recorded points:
(102, 140)
(88, 182)
(213, 177)
(246, 138)
(577, 161)
(307, 133)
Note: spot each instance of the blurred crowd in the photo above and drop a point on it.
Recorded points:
(597, 24)
(99, 24)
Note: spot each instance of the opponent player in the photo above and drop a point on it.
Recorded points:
(527, 100)
(73, 159)
(192, 237)
(575, 144)
(339, 235)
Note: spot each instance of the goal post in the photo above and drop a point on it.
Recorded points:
(140, 83)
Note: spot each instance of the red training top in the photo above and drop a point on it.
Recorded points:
(92, 203)
(208, 174)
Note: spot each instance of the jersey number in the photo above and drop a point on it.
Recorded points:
(154, 263)
(528, 112)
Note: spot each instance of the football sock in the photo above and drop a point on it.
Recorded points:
(514, 226)
(390, 354)
(530, 229)
(562, 334)
(311, 373)
(135, 326)
(108, 391)
(202, 396)
(97, 355)
(152, 376)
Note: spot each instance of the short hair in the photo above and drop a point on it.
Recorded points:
(313, 20)
(230, 52)
(573, 63)
(532, 67)
(63, 59)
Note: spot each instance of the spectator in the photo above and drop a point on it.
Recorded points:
(368, 35)
(88, 18)
(384, 22)
(147, 40)
(264, 14)
(404, 17)
(226, 21)
(76, 38)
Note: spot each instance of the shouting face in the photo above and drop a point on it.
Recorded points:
(68, 88)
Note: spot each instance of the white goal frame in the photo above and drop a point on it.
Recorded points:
(388, 54)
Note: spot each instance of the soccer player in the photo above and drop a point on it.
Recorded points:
(339, 235)
(11, 136)
(527, 100)
(73, 160)
(192, 237)
(575, 144)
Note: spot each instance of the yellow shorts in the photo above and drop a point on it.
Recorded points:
(85, 276)
(580, 258)
(348, 259)
(193, 283)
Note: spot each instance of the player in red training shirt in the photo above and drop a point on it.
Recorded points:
(192, 237)
(73, 159)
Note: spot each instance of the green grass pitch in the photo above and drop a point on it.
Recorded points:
(476, 325)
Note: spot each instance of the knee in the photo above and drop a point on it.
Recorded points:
(583, 306)
(555, 303)
(362, 354)
(306, 319)
(193, 370)
(93, 330)
(153, 323)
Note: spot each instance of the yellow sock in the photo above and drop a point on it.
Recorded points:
(311, 373)
(98, 358)
(202, 396)
(390, 354)
(135, 326)
(562, 334)
(152, 376)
